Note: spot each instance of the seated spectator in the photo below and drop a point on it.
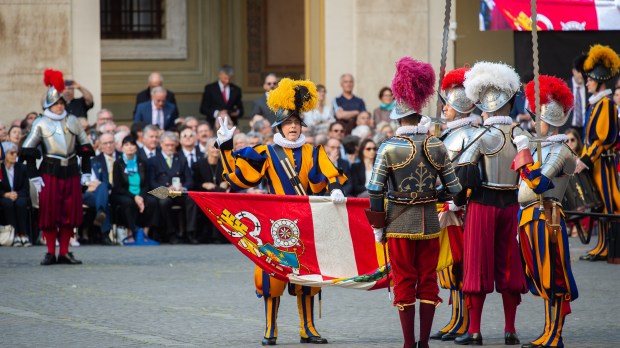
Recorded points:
(336, 130)
(320, 118)
(107, 127)
(188, 147)
(3, 133)
(382, 113)
(15, 195)
(363, 119)
(130, 188)
(361, 170)
(208, 178)
(150, 142)
(240, 141)
(351, 145)
(26, 123)
(332, 149)
(191, 122)
(15, 135)
(574, 141)
(254, 139)
(164, 169)
(136, 131)
(119, 135)
(362, 132)
(203, 133)
(103, 116)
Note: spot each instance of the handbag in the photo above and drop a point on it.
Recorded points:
(7, 235)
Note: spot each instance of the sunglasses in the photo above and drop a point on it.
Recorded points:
(572, 140)
(371, 149)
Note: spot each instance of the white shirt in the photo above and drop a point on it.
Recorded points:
(222, 88)
(158, 116)
(149, 153)
(188, 155)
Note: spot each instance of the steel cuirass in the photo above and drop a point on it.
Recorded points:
(456, 140)
(58, 137)
(558, 165)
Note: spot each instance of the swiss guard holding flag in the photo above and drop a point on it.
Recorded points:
(291, 167)
(542, 232)
(62, 139)
(406, 170)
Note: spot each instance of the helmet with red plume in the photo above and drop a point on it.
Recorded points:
(53, 79)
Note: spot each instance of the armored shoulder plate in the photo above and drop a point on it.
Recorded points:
(456, 140)
(73, 125)
(398, 151)
(494, 140)
(435, 152)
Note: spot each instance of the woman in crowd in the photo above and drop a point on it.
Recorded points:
(320, 117)
(129, 189)
(382, 113)
(15, 134)
(362, 169)
(574, 140)
(26, 123)
(15, 194)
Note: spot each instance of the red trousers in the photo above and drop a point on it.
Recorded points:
(414, 264)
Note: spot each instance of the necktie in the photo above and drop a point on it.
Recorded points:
(578, 110)
(193, 159)
(111, 170)
(224, 95)
(151, 154)
(160, 119)
(169, 161)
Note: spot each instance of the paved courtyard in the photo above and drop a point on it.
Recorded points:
(203, 296)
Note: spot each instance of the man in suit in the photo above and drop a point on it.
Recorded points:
(188, 147)
(155, 80)
(98, 189)
(150, 142)
(332, 148)
(222, 98)
(161, 170)
(260, 104)
(157, 111)
(580, 99)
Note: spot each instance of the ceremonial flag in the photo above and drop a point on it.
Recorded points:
(305, 240)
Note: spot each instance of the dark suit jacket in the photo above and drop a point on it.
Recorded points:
(203, 172)
(145, 95)
(358, 178)
(159, 174)
(21, 184)
(144, 113)
(121, 179)
(260, 108)
(142, 154)
(99, 167)
(345, 167)
(212, 100)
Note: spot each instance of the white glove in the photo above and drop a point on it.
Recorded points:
(521, 141)
(85, 179)
(378, 232)
(38, 183)
(338, 197)
(453, 207)
(224, 134)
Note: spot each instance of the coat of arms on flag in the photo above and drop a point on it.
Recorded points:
(300, 239)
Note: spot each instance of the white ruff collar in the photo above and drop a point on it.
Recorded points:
(498, 120)
(282, 141)
(595, 98)
(419, 129)
(553, 139)
(54, 116)
(461, 122)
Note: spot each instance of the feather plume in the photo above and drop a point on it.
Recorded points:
(551, 88)
(484, 74)
(297, 95)
(604, 55)
(413, 83)
(54, 78)
(454, 78)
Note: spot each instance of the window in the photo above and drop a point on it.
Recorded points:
(132, 19)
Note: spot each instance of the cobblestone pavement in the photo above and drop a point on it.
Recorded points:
(203, 296)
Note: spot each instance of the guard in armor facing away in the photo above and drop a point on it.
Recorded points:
(542, 231)
(461, 126)
(405, 172)
(600, 136)
(491, 257)
(291, 167)
(62, 139)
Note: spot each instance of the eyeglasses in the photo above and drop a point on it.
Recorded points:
(187, 135)
(572, 140)
(371, 149)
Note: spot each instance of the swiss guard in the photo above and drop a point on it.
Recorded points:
(405, 172)
(291, 167)
(542, 230)
(600, 137)
(491, 257)
(58, 180)
(461, 126)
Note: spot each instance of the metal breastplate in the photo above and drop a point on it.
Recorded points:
(456, 140)
(499, 151)
(57, 137)
(558, 165)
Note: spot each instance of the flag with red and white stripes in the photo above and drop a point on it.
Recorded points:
(305, 240)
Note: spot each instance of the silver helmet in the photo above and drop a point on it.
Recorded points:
(493, 98)
(553, 113)
(401, 110)
(456, 98)
(51, 97)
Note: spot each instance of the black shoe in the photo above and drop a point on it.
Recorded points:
(530, 345)
(314, 340)
(437, 335)
(105, 239)
(511, 339)
(68, 260)
(271, 341)
(598, 258)
(48, 259)
(586, 257)
(474, 339)
(449, 337)
(99, 219)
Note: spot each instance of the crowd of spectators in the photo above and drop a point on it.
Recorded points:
(163, 148)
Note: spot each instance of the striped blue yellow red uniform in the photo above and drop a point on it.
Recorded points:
(601, 135)
(246, 168)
